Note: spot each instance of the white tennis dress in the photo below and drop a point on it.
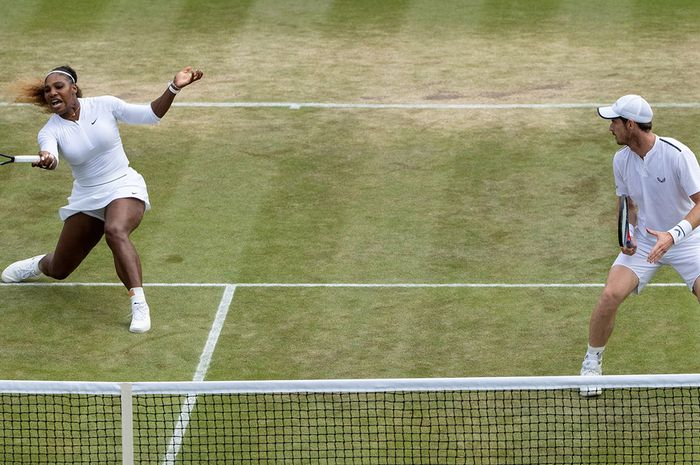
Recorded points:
(93, 148)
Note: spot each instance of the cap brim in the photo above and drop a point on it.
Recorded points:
(607, 113)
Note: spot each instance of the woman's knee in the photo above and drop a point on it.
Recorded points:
(116, 233)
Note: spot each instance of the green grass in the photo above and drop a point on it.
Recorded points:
(351, 196)
(272, 195)
(82, 334)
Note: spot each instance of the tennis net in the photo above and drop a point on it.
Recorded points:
(523, 420)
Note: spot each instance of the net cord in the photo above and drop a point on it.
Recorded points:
(419, 384)
(353, 385)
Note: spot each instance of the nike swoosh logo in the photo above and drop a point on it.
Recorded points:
(94, 121)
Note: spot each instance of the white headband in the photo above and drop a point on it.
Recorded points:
(62, 72)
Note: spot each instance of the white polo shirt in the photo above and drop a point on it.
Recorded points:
(660, 183)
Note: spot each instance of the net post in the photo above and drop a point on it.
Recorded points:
(127, 425)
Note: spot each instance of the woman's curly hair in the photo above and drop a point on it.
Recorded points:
(32, 91)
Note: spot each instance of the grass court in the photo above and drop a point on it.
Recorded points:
(386, 204)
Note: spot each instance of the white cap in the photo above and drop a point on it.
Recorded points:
(631, 107)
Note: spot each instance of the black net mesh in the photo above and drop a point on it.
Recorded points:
(557, 426)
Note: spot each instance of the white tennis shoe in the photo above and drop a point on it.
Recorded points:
(23, 270)
(140, 317)
(591, 367)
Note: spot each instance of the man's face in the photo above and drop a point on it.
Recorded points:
(620, 129)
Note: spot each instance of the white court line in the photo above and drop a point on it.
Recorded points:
(347, 285)
(415, 106)
(439, 285)
(214, 333)
(400, 106)
(183, 420)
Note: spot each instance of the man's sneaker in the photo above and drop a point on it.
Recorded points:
(23, 270)
(591, 367)
(140, 318)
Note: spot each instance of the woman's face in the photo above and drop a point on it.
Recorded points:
(60, 93)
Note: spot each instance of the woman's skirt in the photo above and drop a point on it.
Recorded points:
(93, 200)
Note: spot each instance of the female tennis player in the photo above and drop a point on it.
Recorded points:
(109, 198)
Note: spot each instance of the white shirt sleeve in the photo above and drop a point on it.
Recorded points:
(131, 113)
(689, 172)
(618, 169)
(48, 142)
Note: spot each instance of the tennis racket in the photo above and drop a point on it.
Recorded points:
(7, 159)
(623, 227)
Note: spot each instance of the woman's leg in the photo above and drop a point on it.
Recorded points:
(122, 217)
(79, 236)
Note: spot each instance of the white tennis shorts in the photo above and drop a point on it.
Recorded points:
(683, 257)
(93, 200)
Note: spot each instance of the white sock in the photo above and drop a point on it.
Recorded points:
(137, 295)
(595, 352)
(37, 270)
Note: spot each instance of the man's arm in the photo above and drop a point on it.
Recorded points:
(666, 239)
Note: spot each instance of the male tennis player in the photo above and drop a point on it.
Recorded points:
(661, 176)
(109, 197)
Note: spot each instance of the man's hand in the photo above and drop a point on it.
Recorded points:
(664, 241)
(632, 249)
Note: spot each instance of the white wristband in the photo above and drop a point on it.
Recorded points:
(681, 231)
(173, 88)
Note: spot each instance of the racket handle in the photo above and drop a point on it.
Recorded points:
(27, 158)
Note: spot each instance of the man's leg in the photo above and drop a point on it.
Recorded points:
(620, 284)
(696, 289)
